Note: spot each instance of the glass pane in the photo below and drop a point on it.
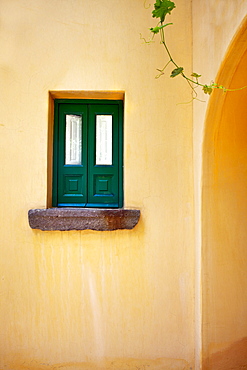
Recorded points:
(73, 139)
(104, 140)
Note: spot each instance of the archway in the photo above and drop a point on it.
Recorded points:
(224, 217)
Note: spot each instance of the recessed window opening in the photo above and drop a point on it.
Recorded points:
(88, 153)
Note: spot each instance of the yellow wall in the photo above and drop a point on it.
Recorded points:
(215, 26)
(172, 289)
(110, 300)
(224, 219)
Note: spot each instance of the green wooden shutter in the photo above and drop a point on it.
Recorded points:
(103, 179)
(89, 183)
(72, 178)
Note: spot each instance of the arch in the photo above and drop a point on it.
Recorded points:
(224, 216)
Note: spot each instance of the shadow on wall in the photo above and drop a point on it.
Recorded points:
(232, 358)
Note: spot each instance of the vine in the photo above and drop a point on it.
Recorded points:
(161, 9)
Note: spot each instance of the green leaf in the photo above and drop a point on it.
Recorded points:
(162, 8)
(158, 28)
(207, 89)
(155, 29)
(195, 75)
(176, 72)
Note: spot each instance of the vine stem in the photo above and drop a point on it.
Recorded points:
(162, 36)
(189, 80)
(161, 9)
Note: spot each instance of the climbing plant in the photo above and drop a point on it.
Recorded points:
(161, 9)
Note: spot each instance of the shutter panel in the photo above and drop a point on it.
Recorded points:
(72, 155)
(103, 155)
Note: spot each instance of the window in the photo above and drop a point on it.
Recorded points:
(85, 164)
(88, 153)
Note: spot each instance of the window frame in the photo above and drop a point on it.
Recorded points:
(101, 101)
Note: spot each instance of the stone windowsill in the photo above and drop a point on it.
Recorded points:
(64, 219)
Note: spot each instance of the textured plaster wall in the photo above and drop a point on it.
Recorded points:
(219, 41)
(225, 225)
(82, 300)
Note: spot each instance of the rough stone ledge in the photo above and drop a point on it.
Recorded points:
(65, 219)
